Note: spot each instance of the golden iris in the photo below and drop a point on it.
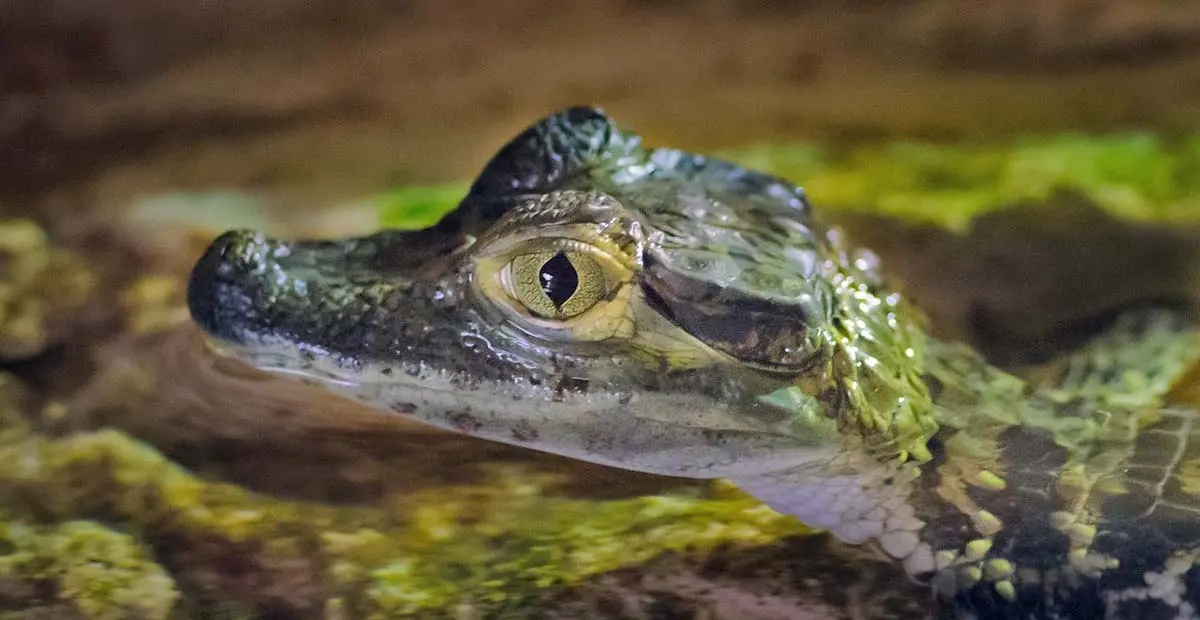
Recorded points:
(557, 284)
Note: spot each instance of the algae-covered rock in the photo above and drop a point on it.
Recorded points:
(198, 548)
(68, 568)
(519, 543)
(100, 573)
(41, 288)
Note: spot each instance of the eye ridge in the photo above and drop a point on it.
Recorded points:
(559, 279)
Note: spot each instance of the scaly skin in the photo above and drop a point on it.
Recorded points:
(670, 313)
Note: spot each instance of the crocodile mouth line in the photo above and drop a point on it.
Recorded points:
(389, 387)
(281, 359)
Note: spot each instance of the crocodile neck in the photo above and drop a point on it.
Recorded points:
(875, 349)
(1015, 476)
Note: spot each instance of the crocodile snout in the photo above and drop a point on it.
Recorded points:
(220, 296)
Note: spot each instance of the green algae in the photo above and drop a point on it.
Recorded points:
(41, 288)
(418, 206)
(95, 572)
(529, 543)
(1137, 176)
(105, 574)
(490, 548)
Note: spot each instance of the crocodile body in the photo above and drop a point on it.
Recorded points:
(671, 313)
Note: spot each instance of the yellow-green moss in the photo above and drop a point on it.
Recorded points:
(40, 288)
(490, 547)
(419, 206)
(104, 574)
(1136, 176)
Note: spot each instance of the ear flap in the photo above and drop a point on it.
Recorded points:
(544, 157)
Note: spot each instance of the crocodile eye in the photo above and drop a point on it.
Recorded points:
(557, 285)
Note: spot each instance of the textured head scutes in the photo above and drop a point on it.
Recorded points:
(878, 356)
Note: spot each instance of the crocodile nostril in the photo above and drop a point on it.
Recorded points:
(217, 299)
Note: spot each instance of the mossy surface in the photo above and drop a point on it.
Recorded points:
(41, 288)
(489, 547)
(1135, 176)
(104, 574)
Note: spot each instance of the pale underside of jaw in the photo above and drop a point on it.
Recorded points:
(679, 434)
(825, 486)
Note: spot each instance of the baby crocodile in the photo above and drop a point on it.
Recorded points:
(667, 312)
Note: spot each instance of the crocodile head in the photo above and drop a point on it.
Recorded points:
(643, 308)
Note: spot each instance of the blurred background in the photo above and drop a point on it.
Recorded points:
(323, 99)
(141, 477)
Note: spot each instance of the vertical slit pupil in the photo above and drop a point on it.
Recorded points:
(559, 279)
